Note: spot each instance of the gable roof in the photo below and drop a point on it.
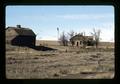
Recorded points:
(81, 37)
(22, 31)
(77, 37)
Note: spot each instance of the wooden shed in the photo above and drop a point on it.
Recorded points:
(20, 36)
(80, 40)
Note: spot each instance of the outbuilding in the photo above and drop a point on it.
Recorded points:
(20, 36)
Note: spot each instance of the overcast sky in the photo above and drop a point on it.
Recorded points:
(44, 20)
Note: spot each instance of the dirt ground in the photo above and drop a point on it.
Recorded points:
(63, 63)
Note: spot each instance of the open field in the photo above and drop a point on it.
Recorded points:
(55, 43)
(63, 63)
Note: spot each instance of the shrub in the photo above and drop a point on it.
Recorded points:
(56, 74)
(63, 71)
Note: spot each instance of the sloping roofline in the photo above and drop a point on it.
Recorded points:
(22, 31)
(80, 36)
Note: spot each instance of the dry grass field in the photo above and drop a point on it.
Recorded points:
(62, 63)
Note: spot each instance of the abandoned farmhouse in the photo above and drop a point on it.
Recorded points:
(80, 40)
(20, 36)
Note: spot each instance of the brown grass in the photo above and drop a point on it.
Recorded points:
(27, 63)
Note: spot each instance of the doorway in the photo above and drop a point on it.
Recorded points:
(77, 43)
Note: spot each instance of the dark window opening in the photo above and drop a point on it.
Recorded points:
(80, 42)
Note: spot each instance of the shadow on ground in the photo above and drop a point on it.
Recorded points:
(42, 48)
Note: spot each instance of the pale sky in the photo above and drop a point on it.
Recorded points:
(45, 19)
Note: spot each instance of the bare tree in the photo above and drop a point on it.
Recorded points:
(63, 39)
(96, 35)
(70, 35)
